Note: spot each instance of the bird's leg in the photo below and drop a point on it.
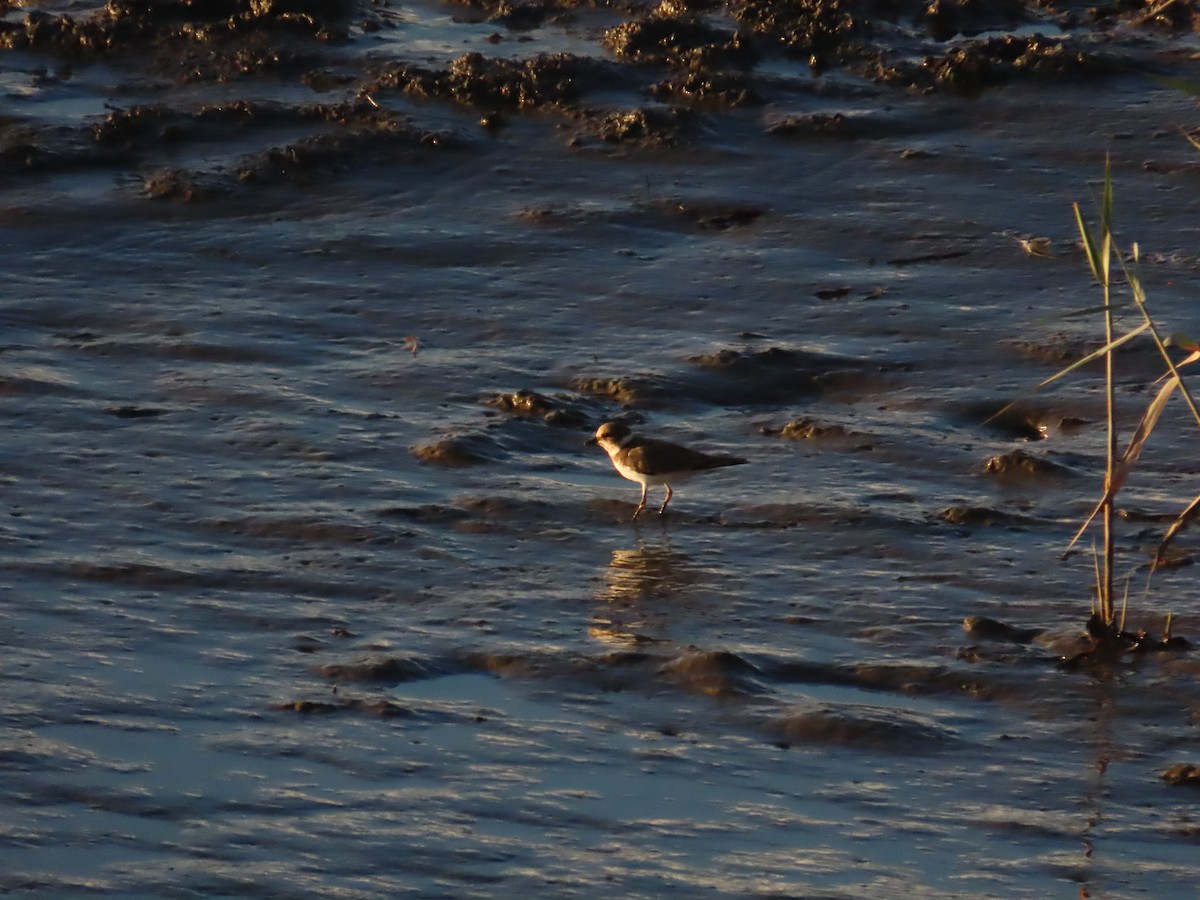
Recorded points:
(637, 512)
(663, 508)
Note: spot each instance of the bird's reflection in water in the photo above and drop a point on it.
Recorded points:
(639, 585)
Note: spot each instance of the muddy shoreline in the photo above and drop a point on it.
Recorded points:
(677, 69)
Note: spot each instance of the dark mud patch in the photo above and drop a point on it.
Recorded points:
(860, 727)
(687, 214)
(790, 515)
(380, 709)
(780, 375)
(431, 513)
(984, 628)
(381, 670)
(308, 531)
(706, 214)
(1021, 421)
(136, 412)
(473, 514)
(984, 517)
(992, 62)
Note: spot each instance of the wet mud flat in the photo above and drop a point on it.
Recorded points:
(311, 585)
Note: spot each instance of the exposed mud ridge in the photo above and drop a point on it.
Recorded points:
(996, 61)
(191, 41)
(349, 134)
(138, 125)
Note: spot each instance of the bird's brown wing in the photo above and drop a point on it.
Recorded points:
(663, 456)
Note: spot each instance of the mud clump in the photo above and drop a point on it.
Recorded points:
(457, 452)
(1019, 463)
(682, 41)
(646, 126)
(996, 61)
(1182, 774)
(819, 30)
(806, 429)
(625, 391)
(527, 404)
(718, 89)
(180, 185)
(981, 627)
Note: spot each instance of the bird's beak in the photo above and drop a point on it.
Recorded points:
(590, 442)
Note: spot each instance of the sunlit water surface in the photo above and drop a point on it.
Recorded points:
(254, 646)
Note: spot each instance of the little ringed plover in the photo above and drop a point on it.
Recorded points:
(648, 461)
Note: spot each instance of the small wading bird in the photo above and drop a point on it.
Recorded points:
(648, 461)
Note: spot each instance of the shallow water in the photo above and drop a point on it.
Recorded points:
(255, 646)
